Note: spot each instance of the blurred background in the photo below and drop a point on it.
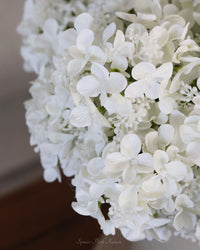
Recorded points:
(34, 214)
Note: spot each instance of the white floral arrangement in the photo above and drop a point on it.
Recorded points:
(116, 106)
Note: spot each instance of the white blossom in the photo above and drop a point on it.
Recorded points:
(120, 51)
(128, 161)
(148, 80)
(101, 82)
(83, 52)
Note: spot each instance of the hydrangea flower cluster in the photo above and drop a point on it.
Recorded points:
(116, 106)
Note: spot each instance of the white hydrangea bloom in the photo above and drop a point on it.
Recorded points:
(116, 106)
(169, 174)
(128, 161)
(101, 82)
(148, 80)
(84, 52)
(120, 51)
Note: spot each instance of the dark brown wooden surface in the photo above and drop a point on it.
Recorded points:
(40, 217)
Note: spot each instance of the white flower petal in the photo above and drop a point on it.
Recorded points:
(97, 55)
(141, 69)
(160, 159)
(176, 119)
(126, 16)
(145, 163)
(177, 170)
(192, 152)
(88, 86)
(135, 89)
(153, 187)
(158, 222)
(187, 14)
(151, 141)
(99, 71)
(109, 32)
(152, 89)
(67, 39)
(75, 66)
(172, 19)
(130, 145)
(185, 70)
(176, 32)
(136, 30)
(50, 28)
(128, 199)
(97, 116)
(116, 162)
(161, 118)
(172, 152)
(183, 201)
(116, 83)
(119, 39)
(51, 174)
(84, 209)
(109, 105)
(169, 52)
(146, 17)
(101, 120)
(96, 190)
(83, 21)
(160, 35)
(135, 234)
(184, 220)
(85, 40)
(170, 9)
(95, 166)
(119, 62)
(107, 226)
(188, 134)
(167, 105)
(164, 72)
(171, 186)
(129, 175)
(80, 117)
(166, 134)
(75, 53)
(49, 155)
(125, 108)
